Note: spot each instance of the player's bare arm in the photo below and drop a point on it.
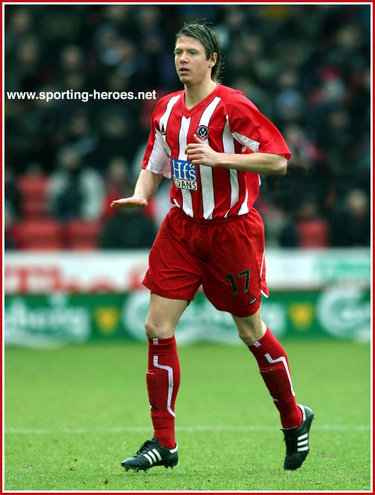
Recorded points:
(146, 187)
(200, 153)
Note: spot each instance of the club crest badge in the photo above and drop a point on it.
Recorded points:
(202, 132)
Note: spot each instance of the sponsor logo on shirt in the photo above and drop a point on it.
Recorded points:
(184, 174)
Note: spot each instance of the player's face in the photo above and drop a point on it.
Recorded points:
(191, 62)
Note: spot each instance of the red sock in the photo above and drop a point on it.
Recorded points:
(274, 368)
(163, 381)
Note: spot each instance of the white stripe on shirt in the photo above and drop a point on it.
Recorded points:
(253, 146)
(207, 184)
(244, 207)
(158, 162)
(163, 122)
(228, 147)
(187, 203)
(246, 141)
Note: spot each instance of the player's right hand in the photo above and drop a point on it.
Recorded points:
(133, 202)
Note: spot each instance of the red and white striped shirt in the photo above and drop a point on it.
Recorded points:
(229, 123)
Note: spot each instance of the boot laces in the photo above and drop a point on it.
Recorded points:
(144, 446)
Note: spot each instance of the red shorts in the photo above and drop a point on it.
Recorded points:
(226, 256)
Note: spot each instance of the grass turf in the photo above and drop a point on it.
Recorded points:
(72, 415)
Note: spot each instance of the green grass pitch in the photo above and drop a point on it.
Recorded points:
(73, 414)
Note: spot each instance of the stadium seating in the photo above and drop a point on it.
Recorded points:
(313, 233)
(82, 235)
(33, 190)
(40, 234)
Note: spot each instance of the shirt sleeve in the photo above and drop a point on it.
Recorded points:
(156, 159)
(252, 129)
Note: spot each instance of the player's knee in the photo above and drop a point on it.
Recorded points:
(156, 330)
(251, 331)
(151, 330)
(248, 336)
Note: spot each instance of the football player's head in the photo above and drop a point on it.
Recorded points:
(204, 33)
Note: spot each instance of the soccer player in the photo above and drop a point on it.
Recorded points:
(212, 142)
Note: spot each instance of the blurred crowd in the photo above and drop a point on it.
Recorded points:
(306, 67)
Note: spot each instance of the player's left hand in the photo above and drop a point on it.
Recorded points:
(200, 153)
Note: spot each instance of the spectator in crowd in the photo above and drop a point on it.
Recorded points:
(312, 230)
(80, 134)
(128, 229)
(350, 221)
(117, 183)
(76, 190)
(114, 138)
(12, 194)
(11, 208)
(72, 68)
